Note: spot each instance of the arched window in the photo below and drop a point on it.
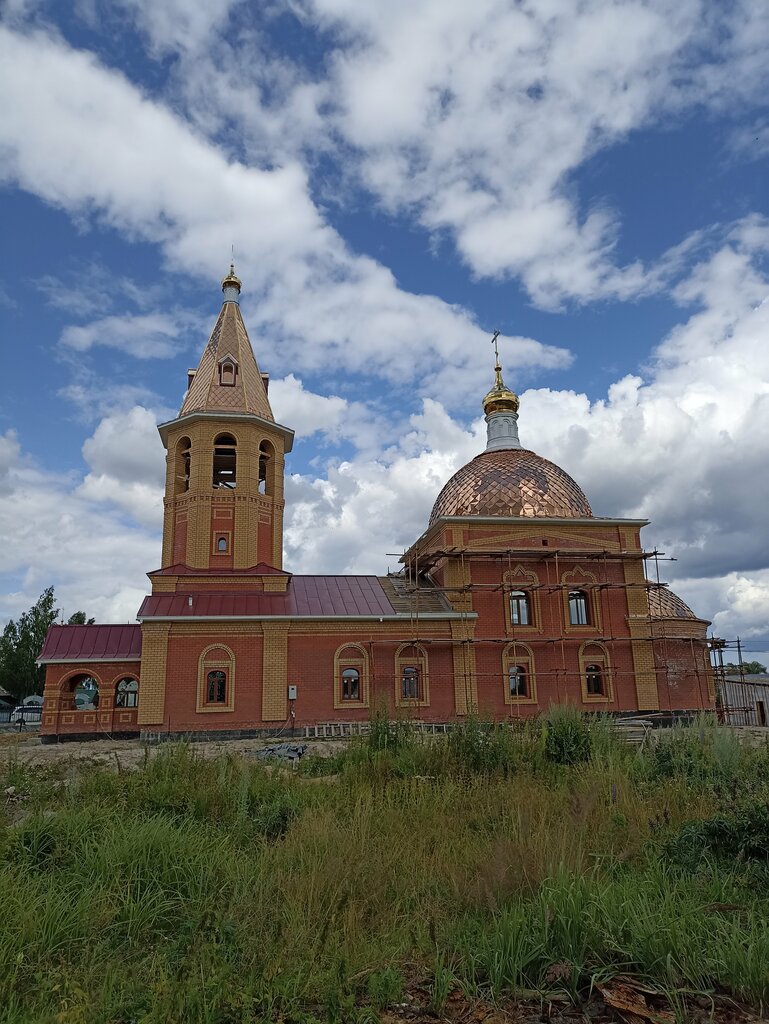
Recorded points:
(595, 672)
(225, 461)
(517, 678)
(350, 684)
(521, 599)
(266, 468)
(182, 465)
(520, 608)
(411, 676)
(351, 676)
(127, 693)
(578, 608)
(594, 680)
(216, 679)
(221, 545)
(85, 693)
(228, 371)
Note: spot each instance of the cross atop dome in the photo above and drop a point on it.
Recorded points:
(501, 408)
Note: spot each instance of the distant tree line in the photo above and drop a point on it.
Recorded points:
(21, 643)
(750, 668)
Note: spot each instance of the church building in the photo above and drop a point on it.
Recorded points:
(516, 595)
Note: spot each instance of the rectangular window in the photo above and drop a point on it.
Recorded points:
(410, 683)
(594, 680)
(350, 684)
(578, 608)
(516, 675)
(216, 687)
(520, 609)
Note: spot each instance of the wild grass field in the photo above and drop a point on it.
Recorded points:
(404, 878)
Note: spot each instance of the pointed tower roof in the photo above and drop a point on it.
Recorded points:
(229, 342)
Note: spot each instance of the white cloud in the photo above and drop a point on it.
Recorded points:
(152, 177)
(9, 452)
(151, 336)
(473, 117)
(94, 557)
(307, 412)
(127, 465)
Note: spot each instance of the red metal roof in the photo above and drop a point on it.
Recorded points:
(92, 643)
(180, 569)
(306, 596)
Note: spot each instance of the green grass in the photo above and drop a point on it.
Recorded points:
(495, 860)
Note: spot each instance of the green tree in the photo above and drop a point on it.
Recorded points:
(79, 619)
(750, 668)
(20, 645)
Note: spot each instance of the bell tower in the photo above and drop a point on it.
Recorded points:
(223, 505)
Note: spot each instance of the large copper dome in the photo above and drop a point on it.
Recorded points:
(511, 482)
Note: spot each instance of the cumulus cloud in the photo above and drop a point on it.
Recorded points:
(9, 452)
(473, 117)
(127, 465)
(153, 177)
(153, 336)
(92, 554)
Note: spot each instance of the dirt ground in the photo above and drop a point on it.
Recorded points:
(26, 748)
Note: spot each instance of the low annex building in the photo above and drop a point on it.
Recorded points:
(516, 596)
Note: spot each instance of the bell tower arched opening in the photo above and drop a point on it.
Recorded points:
(225, 462)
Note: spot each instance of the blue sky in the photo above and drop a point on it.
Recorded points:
(398, 181)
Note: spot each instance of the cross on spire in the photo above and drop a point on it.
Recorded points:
(494, 337)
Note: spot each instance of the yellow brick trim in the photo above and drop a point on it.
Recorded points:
(560, 534)
(465, 674)
(457, 574)
(152, 694)
(274, 672)
(275, 584)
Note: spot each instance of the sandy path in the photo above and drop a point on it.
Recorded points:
(26, 748)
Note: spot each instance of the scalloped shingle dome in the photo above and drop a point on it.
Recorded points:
(664, 604)
(511, 482)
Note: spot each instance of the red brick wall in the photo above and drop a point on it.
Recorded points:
(182, 661)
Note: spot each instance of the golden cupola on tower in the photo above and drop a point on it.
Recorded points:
(507, 479)
(500, 398)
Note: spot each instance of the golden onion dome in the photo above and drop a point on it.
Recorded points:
(511, 482)
(500, 398)
(231, 280)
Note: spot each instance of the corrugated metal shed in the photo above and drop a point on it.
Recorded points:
(92, 643)
(744, 701)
